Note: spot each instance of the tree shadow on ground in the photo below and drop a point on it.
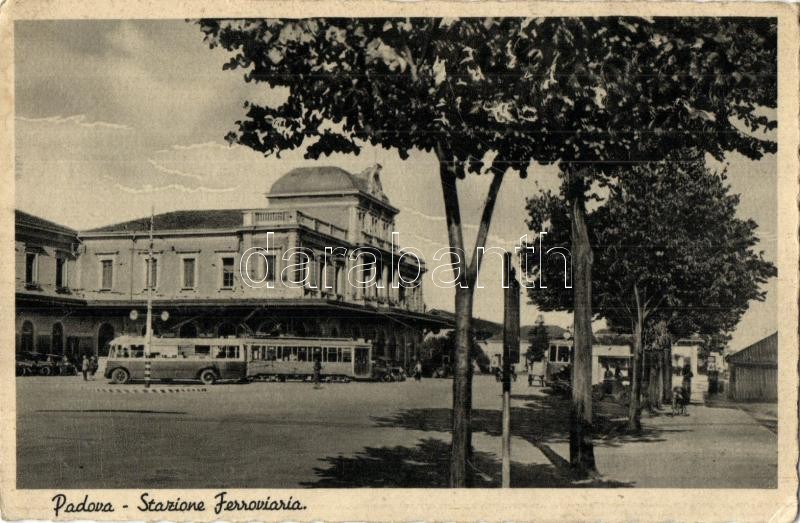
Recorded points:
(540, 420)
(427, 466)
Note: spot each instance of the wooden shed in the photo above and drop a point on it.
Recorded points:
(754, 371)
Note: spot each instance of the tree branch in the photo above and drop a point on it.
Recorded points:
(452, 211)
(485, 223)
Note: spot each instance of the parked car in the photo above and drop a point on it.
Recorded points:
(25, 368)
(64, 366)
(384, 369)
(38, 363)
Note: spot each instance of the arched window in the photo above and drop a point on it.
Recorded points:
(57, 339)
(188, 330)
(104, 335)
(156, 330)
(226, 329)
(26, 337)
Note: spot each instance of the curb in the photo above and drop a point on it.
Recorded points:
(150, 391)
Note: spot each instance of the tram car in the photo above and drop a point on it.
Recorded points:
(285, 358)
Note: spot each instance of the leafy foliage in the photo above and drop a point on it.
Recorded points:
(538, 341)
(669, 230)
(502, 92)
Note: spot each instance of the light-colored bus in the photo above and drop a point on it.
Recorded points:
(283, 358)
(204, 359)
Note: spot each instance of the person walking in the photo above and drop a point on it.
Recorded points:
(317, 370)
(418, 371)
(686, 385)
(608, 381)
(92, 366)
(85, 367)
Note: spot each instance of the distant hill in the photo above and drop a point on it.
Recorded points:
(486, 329)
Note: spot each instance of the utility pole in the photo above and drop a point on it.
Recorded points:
(510, 351)
(149, 332)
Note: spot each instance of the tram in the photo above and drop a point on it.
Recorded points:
(341, 359)
(215, 359)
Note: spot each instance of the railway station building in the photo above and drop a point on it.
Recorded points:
(285, 269)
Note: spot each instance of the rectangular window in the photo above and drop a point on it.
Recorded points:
(202, 351)
(151, 275)
(552, 353)
(107, 274)
(347, 356)
(332, 355)
(563, 354)
(61, 273)
(302, 354)
(31, 267)
(227, 273)
(301, 271)
(338, 284)
(271, 353)
(188, 273)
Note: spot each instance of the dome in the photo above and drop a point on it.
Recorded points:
(309, 180)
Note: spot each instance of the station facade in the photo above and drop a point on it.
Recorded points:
(290, 268)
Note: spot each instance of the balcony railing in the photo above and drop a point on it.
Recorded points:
(289, 218)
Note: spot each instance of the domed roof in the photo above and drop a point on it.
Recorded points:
(327, 179)
(303, 180)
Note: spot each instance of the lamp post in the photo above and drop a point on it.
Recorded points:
(149, 331)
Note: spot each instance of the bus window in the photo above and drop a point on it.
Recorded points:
(271, 353)
(347, 356)
(302, 354)
(332, 355)
(563, 354)
(232, 352)
(137, 351)
(219, 351)
(202, 351)
(292, 353)
(552, 353)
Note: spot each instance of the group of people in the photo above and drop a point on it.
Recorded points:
(88, 366)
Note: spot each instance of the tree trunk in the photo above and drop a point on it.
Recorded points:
(461, 446)
(462, 383)
(667, 371)
(581, 450)
(653, 391)
(659, 384)
(634, 407)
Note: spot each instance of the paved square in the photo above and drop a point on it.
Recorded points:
(73, 434)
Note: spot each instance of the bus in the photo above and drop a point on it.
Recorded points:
(206, 359)
(242, 359)
(284, 358)
(615, 357)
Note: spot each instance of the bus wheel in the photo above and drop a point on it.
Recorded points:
(120, 376)
(45, 371)
(208, 377)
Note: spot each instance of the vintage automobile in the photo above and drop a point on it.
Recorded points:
(384, 369)
(38, 363)
(25, 368)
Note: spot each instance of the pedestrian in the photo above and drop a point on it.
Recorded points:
(92, 366)
(687, 382)
(317, 370)
(418, 371)
(85, 367)
(608, 381)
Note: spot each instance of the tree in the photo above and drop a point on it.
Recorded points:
(490, 95)
(670, 250)
(538, 340)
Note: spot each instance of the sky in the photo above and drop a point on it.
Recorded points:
(113, 117)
